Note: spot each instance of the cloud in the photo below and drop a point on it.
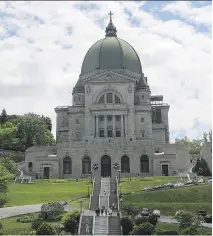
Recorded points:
(185, 9)
(43, 44)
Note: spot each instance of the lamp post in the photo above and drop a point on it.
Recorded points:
(91, 176)
(88, 190)
(121, 201)
(119, 175)
(120, 188)
(81, 203)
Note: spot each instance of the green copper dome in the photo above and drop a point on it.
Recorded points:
(111, 53)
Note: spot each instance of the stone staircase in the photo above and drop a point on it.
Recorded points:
(94, 204)
(83, 225)
(104, 201)
(105, 186)
(101, 225)
(114, 225)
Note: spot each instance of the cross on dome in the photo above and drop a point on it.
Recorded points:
(110, 15)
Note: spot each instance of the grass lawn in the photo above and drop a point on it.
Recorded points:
(170, 226)
(167, 201)
(48, 191)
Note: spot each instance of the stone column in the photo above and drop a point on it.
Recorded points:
(96, 125)
(113, 125)
(126, 131)
(122, 126)
(105, 126)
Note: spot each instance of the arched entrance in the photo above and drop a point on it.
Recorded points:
(105, 166)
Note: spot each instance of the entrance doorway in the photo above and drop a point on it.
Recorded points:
(165, 170)
(106, 166)
(46, 172)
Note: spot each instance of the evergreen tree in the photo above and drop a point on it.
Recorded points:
(3, 117)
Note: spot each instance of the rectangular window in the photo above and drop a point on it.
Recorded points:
(101, 118)
(158, 115)
(117, 118)
(109, 133)
(109, 98)
(109, 118)
(77, 135)
(101, 133)
(118, 133)
(77, 122)
(142, 134)
(142, 119)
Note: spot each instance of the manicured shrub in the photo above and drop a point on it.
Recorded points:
(153, 219)
(24, 219)
(51, 211)
(70, 222)
(36, 224)
(127, 225)
(189, 231)
(143, 229)
(130, 210)
(46, 229)
(141, 220)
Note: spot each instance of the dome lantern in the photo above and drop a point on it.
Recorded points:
(111, 29)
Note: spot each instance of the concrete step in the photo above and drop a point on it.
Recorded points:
(104, 201)
(101, 225)
(83, 225)
(114, 225)
(94, 203)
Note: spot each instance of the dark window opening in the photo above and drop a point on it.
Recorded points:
(118, 133)
(109, 133)
(125, 165)
(86, 165)
(101, 133)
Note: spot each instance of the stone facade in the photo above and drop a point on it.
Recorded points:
(114, 126)
(206, 154)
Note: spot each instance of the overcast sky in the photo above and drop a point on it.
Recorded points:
(43, 44)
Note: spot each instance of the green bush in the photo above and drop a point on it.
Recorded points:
(208, 218)
(143, 229)
(24, 219)
(1, 226)
(46, 229)
(189, 231)
(51, 211)
(127, 225)
(36, 224)
(131, 210)
(201, 168)
(141, 220)
(152, 219)
(70, 222)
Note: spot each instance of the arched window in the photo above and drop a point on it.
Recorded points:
(125, 166)
(30, 165)
(144, 164)
(86, 165)
(117, 99)
(109, 98)
(102, 99)
(67, 165)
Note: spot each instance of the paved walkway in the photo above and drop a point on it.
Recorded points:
(21, 210)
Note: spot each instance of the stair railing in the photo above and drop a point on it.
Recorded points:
(118, 200)
(80, 222)
(93, 227)
(107, 225)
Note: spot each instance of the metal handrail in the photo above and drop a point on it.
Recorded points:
(79, 226)
(93, 227)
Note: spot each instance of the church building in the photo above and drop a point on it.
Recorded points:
(114, 126)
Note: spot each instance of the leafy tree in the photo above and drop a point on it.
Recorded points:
(189, 231)
(51, 211)
(9, 164)
(127, 225)
(201, 168)
(143, 229)
(207, 137)
(36, 224)
(45, 229)
(187, 219)
(5, 179)
(3, 117)
(131, 210)
(70, 222)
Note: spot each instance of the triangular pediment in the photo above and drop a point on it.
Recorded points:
(109, 77)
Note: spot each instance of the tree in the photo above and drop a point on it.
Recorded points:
(187, 219)
(143, 229)
(127, 225)
(5, 179)
(51, 211)
(189, 231)
(3, 117)
(207, 137)
(32, 130)
(9, 164)
(131, 210)
(70, 222)
(201, 168)
(45, 229)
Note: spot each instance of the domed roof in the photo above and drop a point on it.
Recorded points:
(111, 52)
